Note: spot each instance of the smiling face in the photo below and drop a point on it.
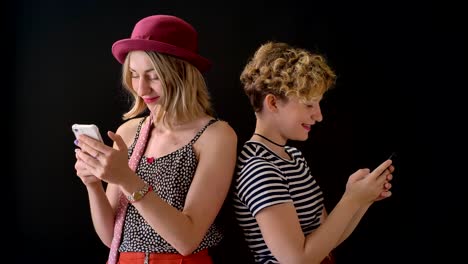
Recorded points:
(294, 117)
(144, 79)
(285, 85)
(173, 89)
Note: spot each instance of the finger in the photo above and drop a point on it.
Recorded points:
(359, 174)
(387, 186)
(386, 194)
(389, 177)
(89, 161)
(118, 140)
(76, 154)
(93, 144)
(87, 146)
(385, 174)
(381, 168)
(90, 151)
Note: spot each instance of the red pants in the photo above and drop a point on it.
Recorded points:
(201, 257)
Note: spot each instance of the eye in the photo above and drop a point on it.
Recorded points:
(133, 75)
(312, 103)
(153, 77)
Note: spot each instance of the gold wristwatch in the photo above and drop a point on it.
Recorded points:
(139, 194)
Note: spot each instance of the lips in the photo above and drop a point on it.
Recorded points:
(149, 100)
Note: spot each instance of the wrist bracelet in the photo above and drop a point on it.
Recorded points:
(138, 195)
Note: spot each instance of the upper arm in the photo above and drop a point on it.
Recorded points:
(324, 215)
(127, 131)
(265, 191)
(217, 151)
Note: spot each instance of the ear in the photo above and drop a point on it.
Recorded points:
(270, 103)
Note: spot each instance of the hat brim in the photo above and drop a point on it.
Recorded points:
(121, 48)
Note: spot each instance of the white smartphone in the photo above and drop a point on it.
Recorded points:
(87, 129)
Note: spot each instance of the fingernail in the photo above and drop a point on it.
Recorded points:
(76, 142)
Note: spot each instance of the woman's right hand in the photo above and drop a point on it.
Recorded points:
(85, 176)
(365, 186)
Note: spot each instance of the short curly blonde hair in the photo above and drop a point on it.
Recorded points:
(282, 70)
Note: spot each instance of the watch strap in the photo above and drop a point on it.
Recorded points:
(138, 195)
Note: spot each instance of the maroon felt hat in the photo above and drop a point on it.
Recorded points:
(165, 34)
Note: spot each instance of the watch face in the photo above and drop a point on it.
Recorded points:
(137, 196)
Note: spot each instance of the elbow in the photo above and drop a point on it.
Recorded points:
(310, 260)
(295, 258)
(106, 240)
(186, 250)
(299, 257)
(107, 245)
(306, 261)
(187, 247)
(190, 240)
(185, 253)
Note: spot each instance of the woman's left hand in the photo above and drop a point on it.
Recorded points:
(387, 185)
(106, 163)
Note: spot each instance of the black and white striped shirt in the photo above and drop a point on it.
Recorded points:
(264, 179)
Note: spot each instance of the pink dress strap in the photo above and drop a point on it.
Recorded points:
(123, 203)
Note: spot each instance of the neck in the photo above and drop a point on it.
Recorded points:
(270, 140)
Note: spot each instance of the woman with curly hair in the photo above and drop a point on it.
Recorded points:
(278, 203)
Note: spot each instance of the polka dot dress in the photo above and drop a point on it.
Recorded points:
(170, 176)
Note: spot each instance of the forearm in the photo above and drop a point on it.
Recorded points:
(176, 227)
(102, 213)
(354, 222)
(323, 240)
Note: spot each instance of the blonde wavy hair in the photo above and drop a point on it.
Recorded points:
(282, 70)
(186, 95)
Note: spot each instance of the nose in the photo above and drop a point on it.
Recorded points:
(141, 86)
(317, 114)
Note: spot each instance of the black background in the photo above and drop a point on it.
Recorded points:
(401, 70)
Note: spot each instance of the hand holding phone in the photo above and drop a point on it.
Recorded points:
(90, 130)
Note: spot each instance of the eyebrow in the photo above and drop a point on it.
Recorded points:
(149, 70)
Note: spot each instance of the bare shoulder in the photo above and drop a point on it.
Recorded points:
(128, 129)
(221, 130)
(218, 135)
(218, 142)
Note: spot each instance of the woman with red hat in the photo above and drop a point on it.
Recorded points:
(171, 164)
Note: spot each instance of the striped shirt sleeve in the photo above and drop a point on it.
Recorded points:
(261, 184)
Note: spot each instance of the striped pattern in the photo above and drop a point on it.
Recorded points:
(264, 179)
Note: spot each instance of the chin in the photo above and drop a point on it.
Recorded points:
(301, 138)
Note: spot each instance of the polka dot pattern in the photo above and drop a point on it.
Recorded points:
(170, 176)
